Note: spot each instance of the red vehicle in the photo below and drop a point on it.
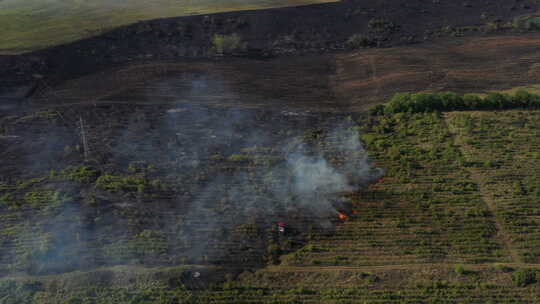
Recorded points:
(342, 216)
(281, 227)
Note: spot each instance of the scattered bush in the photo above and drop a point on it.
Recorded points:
(302, 291)
(7, 201)
(273, 251)
(459, 269)
(135, 183)
(39, 198)
(524, 277)
(13, 292)
(527, 23)
(503, 268)
(488, 164)
(357, 41)
(239, 158)
(533, 24)
(378, 25)
(228, 44)
(369, 277)
(313, 248)
(83, 174)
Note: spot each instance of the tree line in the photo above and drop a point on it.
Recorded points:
(450, 101)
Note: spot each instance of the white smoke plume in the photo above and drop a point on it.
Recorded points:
(297, 164)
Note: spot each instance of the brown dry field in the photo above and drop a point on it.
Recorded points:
(468, 65)
(348, 81)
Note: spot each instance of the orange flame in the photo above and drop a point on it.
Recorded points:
(343, 216)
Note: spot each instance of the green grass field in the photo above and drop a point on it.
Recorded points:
(34, 24)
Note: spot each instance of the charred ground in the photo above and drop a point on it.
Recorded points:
(308, 29)
(159, 185)
(182, 153)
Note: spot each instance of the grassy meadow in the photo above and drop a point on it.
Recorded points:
(34, 24)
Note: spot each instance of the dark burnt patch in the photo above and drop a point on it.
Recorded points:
(292, 31)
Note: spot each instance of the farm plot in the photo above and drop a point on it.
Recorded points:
(502, 151)
(427, 209)
(432, 285)
(336, 294)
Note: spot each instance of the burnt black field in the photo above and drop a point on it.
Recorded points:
(143, 165)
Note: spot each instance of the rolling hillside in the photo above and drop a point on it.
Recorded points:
(344, 152)
(35, 24)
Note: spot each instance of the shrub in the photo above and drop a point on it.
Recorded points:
(357, 41)
(379, 26)
(459, 269)
(83, 174)
(301, 291)
(526, 23)
(135, 183)
(471, 101)
(7, 201)
(496, 101)
(377, 110)
(313, 248)
(451, 99)
(228, 44)
(533, 24)
(273, 251)
(369, 277)
(503, 268)
(13, 292)
(239, 158)
(39, 198)
(489, 164)
(524, 277)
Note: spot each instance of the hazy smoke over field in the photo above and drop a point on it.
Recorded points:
(233, 166)
(222, 167)
(317, 183)
(291, 173)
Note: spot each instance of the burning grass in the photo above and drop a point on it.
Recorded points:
(426, 232)
(159, 187)
(426, 210)
(392, 242)
(451, 181)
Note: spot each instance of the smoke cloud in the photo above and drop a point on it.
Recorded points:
(230, 174)
(307, 179)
